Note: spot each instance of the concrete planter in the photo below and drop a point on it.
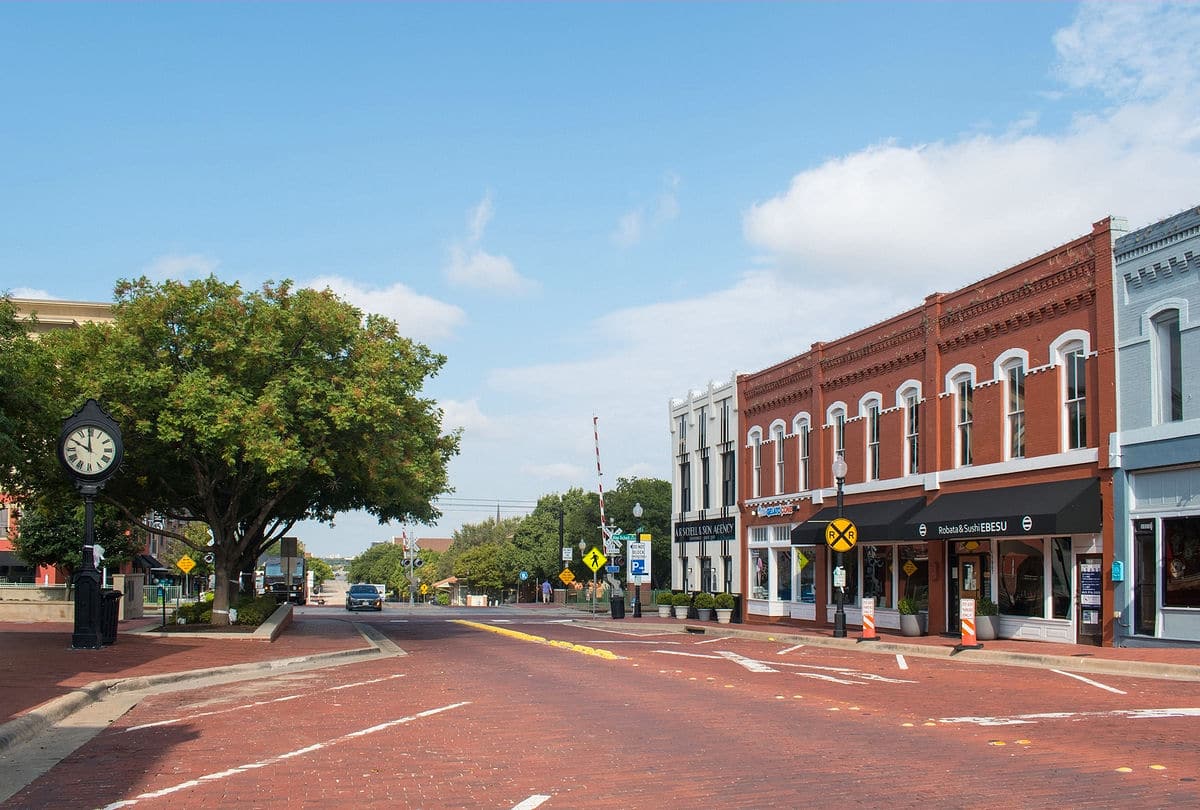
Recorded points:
(985, 628)
(910, 625)
(664, 611)
(724, 615)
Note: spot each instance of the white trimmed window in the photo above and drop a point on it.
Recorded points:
(872, 414)
(756, 460)
(802, 466)
(1168, 367)
(1075, 396)
(964, 395)
(1014, 398)
(780, 446)
(912, 431)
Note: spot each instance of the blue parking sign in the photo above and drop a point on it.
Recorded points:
(637, 567)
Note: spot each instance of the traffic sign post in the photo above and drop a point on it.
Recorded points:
(840, 535)
(593, 560)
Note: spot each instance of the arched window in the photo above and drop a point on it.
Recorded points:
(836, 418)
(909, 399)
(1070, 350)
(961, 383)
(1014, 407)
(1168, 367)
(800, 427)
(870, 408)
(756, 461)
(777, 434)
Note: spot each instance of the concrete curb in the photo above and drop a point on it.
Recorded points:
(27, 726)
(269, 630)
(1097, 666)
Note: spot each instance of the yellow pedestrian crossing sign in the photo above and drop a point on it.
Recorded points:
(841, 534)
(594, 559)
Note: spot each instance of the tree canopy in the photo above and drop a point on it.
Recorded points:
(248, 411)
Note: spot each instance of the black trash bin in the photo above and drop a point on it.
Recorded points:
(737, 608)
(617, 605)
(110, 608)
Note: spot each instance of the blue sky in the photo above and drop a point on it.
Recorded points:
(590, 208)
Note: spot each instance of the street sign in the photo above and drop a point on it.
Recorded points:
(839, 577)
(594, 559)
(568, 554)
(611, 569)
(909, 568)
(186, 564)
(424, 589)
(801, 560)
(639, 559)
(841, 534)
(524, 575)
(566, 576)
(624, 538)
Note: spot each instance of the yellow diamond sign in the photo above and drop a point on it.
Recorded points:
(566, 576)
(801, 560)
(424, 588)
(594, 559)
(186, 564)
(910, 568)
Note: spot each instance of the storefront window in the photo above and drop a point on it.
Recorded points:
(808, 573)
(759, 575)
(877, 574)
(913, 573)
(850, 563)
(1022, 578)
(1060, 570)
(783, 574)
(1181, 562)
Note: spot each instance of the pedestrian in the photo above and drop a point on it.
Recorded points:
(546, 592)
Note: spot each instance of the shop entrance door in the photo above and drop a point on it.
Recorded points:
(1089, 578)
(965, 583)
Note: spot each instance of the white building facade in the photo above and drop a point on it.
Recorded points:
(705, 526)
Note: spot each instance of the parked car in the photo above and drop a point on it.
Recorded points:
(363, 597)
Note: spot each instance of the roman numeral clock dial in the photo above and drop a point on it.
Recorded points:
(89, 447)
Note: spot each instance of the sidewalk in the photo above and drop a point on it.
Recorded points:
(1176, 663)
(38, 666)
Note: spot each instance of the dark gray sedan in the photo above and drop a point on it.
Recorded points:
(363, 597)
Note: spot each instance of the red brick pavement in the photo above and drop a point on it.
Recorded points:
(37, 663)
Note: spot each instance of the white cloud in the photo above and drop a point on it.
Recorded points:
(935, 216)
(554, 472)
(471, 266)
(181, 267)
(418, 316)
(32, 294)
(633, 225)
(466, 415)
(483, 271)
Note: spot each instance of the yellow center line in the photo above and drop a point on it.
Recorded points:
(566, 645)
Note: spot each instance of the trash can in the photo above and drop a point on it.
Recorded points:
(110, 608)
(737, 608)
(617, 605)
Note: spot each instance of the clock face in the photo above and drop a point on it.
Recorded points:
(89, 450)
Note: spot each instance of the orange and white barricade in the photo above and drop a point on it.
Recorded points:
(868, 620)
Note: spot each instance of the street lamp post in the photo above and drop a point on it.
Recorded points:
(637, 579)
(839, 616)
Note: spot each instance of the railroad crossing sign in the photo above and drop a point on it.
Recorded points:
(186, 564)
(841, 534)
(566, 576)
(594, 559)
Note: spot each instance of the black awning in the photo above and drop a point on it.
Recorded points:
(148, 562)
(875, 520)
(11, 560)
(1059, 507)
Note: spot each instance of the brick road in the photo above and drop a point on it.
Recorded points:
(517, 719)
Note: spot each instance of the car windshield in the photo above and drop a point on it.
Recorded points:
(363, 591)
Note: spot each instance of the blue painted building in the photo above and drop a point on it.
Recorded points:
(1156, 451)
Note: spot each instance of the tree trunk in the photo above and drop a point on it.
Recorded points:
(221, 591)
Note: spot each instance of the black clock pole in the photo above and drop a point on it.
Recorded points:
(90, 450)
(87, 635)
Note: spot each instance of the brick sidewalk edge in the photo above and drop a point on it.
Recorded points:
(29, 725)
(1097, 666)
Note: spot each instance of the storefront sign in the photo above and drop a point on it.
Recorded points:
(992, 527)
(715, 529)
(775, 511)
(1089, 585)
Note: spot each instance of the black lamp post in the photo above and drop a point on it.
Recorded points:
(839, 616)
(637, 580)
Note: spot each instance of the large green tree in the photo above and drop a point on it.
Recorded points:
(248, 411)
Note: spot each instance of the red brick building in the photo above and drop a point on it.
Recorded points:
(975, 432)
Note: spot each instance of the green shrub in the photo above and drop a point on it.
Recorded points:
(681, 599)
(197, 613)
(908, 606)
(443, 598)
(254, 610)
(705, 601)
(724, 601)
(663, 597)
(985, 607)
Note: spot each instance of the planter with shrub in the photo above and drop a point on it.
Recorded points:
(910, 622)
(704, 606)
(682, 603)
(986, 619)
(664, 601)
(724, 606)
